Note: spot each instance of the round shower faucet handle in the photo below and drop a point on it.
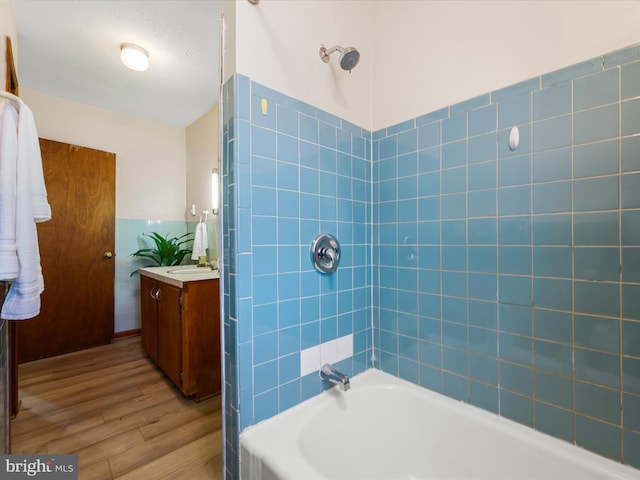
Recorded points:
(325, 253)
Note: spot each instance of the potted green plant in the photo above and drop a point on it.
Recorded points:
(167, 251)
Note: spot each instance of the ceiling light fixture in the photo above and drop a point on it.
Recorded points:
(134, 57)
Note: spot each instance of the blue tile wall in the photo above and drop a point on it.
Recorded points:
(291, 172)
(528, 260)
(234, 210)
(505, 278)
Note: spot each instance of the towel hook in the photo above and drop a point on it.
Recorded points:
(16, 101)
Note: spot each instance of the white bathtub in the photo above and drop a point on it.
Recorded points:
(387, 428)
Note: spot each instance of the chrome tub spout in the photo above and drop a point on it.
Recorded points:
(328, 373)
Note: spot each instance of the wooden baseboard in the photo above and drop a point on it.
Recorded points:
(127, 333)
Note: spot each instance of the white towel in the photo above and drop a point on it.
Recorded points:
(9, 265)
(31, 205)
(200, 242)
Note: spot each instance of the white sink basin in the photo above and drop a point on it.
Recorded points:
(190, 271)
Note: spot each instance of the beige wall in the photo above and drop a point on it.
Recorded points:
(202, 157)
(8, 27)
(150, 156)
(228, 45)
(277, 44)
(416, 56)
(429, 54)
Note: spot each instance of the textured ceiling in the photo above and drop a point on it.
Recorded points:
(71, 49)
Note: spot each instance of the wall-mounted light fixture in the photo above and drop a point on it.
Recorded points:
(215, 191)
(134, 57)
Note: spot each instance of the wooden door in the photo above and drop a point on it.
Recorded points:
(149, 316)
(76, 248)
(170, 331)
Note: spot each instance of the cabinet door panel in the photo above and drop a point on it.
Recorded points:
(169, 331)
(201, 318)
(148, 314)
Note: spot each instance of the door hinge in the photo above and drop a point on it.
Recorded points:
(181, 378)
(180, 300)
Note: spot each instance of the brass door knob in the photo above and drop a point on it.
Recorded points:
(108, 255)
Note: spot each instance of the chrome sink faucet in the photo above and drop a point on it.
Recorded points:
(328, 373)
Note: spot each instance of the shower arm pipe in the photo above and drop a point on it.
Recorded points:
(325, 53)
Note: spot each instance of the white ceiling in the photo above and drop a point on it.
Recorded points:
(71, 49)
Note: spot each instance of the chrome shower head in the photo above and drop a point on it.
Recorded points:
(349, 57)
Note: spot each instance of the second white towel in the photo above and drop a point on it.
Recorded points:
(200, 242)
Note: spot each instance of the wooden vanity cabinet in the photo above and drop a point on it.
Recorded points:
(181, 332)
(149, 316)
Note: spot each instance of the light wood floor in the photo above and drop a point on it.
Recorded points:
(115, 409)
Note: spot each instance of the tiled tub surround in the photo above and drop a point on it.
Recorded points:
(290, 172)
(510, 279)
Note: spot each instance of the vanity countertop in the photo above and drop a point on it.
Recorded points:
(179, 274)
